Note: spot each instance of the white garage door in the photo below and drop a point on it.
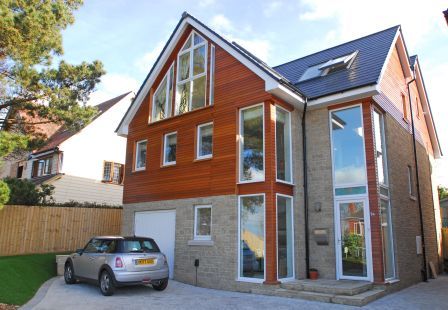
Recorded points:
(161, 226)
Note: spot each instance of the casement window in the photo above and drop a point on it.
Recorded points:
(212, 75)
(140, 155)
(404, 107)
(161, 101)
(283, 145)
(203, 222)
(169, 148)
(411, 182)
(42, 167)
(204, 141)
(251, 146)
(380, 148)
(113, 172)
(191, 74)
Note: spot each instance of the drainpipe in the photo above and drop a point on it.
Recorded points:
(424, 269)
(305, 191)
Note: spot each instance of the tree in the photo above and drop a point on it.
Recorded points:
(30, 37)
(25, 192)
(4, 194)
(443, 192)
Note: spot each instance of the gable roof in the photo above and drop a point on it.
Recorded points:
(365, 70)
(63, 134)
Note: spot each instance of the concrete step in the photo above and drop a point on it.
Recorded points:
(280, 292)
(359, 300)
(335, 287)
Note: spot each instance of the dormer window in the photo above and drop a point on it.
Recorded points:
(330, 66)
(192, 74)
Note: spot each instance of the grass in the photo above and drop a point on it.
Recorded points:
(21, 276)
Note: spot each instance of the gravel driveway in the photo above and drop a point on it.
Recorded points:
(56, 295)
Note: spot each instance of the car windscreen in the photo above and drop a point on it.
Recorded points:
(139, 246)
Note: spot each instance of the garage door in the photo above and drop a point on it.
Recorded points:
(161, 226)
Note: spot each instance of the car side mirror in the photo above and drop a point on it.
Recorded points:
(80, 251)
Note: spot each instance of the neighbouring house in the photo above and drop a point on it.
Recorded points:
(87, 165)
(262, 173)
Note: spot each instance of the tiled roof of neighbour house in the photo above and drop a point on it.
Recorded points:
(63, 134)
(364, 71)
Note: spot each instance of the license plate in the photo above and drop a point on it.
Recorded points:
(146, 261)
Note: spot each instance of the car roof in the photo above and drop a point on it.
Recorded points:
(122, 237)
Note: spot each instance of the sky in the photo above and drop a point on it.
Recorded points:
(127, 36)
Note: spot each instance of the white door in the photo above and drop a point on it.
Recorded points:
(353, 247)
(161, 226)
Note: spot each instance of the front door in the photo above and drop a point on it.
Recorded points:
(353, 248)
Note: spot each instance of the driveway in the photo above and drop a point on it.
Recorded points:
(56, 295)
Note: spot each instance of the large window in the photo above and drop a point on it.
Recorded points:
(161, 102)
(42, 167)
(252, 144)
(140, 155)
(285, 237)
(205, 141)
(113, 172)
(169, 148)
(251, 238)
(283, 145)
(191, 77)
(349, 164)
(203, 222)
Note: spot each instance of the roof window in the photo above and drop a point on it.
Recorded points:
(332, 65)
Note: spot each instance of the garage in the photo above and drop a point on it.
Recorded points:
(161, 226)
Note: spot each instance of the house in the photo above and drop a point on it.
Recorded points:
(83, 166)
(255, 174)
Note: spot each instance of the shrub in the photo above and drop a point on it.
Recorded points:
(25, 192)
(4, 193)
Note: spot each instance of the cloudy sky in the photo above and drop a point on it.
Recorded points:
(128, 36)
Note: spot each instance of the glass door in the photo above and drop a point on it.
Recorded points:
(353, 240)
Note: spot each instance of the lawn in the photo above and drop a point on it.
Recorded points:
(21, 276)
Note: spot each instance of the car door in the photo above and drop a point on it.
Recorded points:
(85, 262)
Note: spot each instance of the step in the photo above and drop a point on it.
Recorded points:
(335, 287)
(359, 300)
(280, 292)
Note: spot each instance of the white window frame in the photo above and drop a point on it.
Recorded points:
(198, 141)
(165, 138)
(195, 233)
(191, 77)
(411, 181)
(290, 147)
(137, 150)
(384, 149)
(293, 239)
(245, 279)
(167, 95)
(211, 97)
(241, 141)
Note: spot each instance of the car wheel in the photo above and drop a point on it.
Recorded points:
(161, 286)
(106, 283)
(69, 274)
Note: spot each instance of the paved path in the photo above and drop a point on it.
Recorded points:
(56, 295)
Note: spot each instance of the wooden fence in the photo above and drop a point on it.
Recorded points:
(32, 229)
(445, 242)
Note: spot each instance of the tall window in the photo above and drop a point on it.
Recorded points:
(283, 144)
(161, 102)
(212, 74)
(191, 77)
(285, 237)
(140, 155)
(170, 145)
(205, 141)
(202, 222)
(251, 237)
(42, 167)
(404, 107)
(252, 144)
(113, 172)
(380, 148)
(411, 182)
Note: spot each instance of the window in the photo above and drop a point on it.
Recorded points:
(411, 182)
(140, 155)
(205, 141)
(113, 172)
(94, 246)
(251, 238)
(380, 148)
(404, 107)
(169, 152)
(161, 102)
(285, 237)
(252, 144)
(192, 74)
(203, 222)
(42, 167)
(283, 145)
(212, 75)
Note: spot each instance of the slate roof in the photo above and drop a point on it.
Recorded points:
(63, 134)
(365, 69)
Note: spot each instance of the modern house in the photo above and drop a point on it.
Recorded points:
(83, 166)
(261, 173)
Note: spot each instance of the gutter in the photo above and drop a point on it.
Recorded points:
(419, 200)
(305, 191)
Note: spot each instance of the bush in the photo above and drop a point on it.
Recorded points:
(25, 192)
(4, 193)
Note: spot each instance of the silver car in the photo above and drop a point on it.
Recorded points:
(114, 261)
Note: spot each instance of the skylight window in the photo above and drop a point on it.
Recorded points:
(322, 69)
